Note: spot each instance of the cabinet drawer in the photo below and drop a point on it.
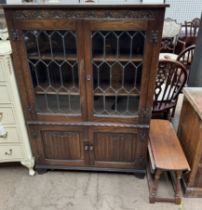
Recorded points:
(11, 136)
(6, 115)
(10, 152)
(4, 95)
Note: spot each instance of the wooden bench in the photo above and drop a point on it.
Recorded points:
(165, 155)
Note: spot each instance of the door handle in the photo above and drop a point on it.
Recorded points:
(91, 148)
(88, 77)
(86, 147)
(3, 134)
(9, 153)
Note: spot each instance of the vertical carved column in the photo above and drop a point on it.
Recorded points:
(155, 186)
(178, 187)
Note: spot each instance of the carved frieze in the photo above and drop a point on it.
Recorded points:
(84, 14)
(89, 124)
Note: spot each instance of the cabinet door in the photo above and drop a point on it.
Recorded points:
(51, 59)
(117, 62)
(118, 148)
(59, 145)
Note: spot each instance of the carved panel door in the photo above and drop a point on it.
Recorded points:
(118, 147)
(59, 145)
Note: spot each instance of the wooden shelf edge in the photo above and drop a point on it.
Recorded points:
(59, 57)
(120, 58)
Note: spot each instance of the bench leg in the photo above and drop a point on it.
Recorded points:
(154, 189)
(178, 187)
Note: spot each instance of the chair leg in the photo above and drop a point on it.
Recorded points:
(157, 175)
(178, 187)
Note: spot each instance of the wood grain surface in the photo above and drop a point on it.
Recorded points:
(166, 147)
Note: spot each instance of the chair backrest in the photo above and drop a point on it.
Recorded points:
(192, 27)
(171, 30)
(189, 31)
(186, 57)
(171, 78)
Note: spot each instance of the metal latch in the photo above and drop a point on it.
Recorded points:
(88, 77)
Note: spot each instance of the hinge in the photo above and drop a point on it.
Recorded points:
(154, 36)
(15, 35)
(31, 110)
(140, 159)
(34, 134)
(143, 135)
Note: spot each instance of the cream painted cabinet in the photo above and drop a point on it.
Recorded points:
(14, 142)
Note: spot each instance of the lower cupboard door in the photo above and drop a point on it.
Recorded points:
(59, 146)
(119, 148)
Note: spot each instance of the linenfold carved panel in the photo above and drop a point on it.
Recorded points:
(84, 14)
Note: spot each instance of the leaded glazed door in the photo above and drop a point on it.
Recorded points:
(54, 71)
(115, 66)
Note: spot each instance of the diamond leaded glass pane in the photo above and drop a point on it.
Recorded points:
(52, 58)
(117, 60)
